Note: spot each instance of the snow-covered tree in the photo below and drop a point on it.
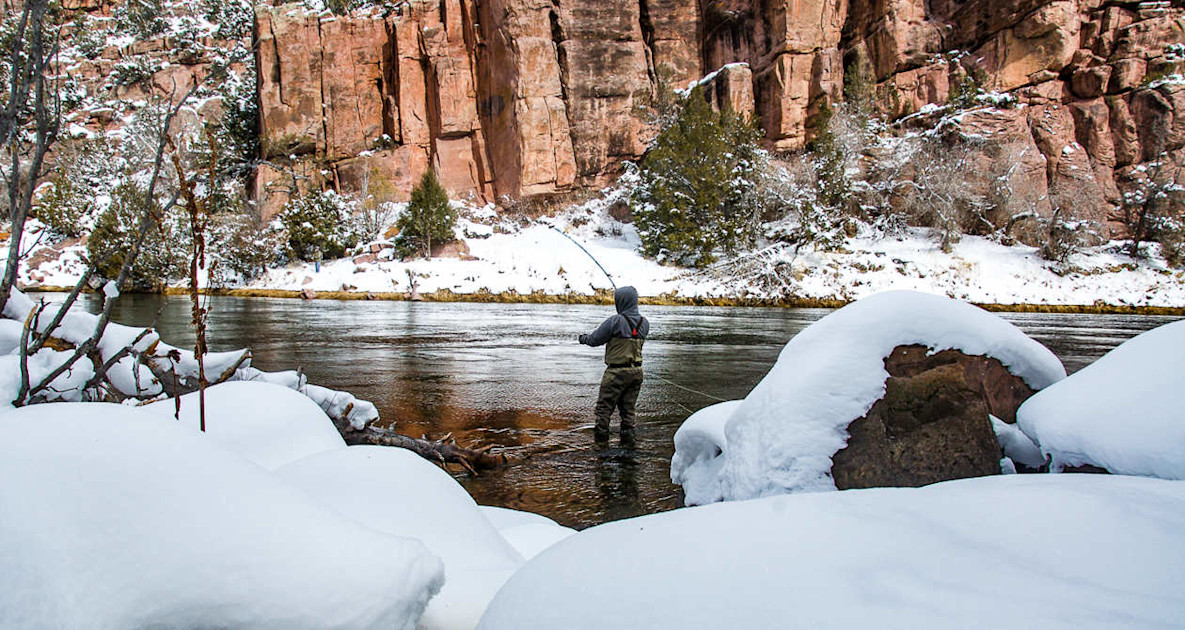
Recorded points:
(692, 199)
(1153, 206)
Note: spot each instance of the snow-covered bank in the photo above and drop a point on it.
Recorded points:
(112, 517)
(1050, 551)
(505, 255)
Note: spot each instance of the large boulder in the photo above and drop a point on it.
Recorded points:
(783, 436)
(933, 422)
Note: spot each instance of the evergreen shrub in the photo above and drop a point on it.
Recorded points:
(427, 219)
(318, 226)
(692, 200)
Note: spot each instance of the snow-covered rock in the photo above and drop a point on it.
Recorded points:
(1125, 412)
(397, 492)
(782, 436)
(1047, 551)
(268, 424)
(529, 533)
(111, 518)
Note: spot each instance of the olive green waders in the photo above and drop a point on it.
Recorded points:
(619, 387)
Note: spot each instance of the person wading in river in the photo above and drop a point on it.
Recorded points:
(622, 335)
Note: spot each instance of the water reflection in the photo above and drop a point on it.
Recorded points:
(514, 376)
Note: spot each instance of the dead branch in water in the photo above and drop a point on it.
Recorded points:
(440, 451)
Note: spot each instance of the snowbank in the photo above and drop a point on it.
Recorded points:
(111, 518)
(398, 492)
(529, 533)
(268, 424)
(699, 444)
(1024, 551)
(1017, 446)
(781, 437)
(1125, 412)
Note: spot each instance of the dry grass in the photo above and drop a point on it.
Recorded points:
(606, 297)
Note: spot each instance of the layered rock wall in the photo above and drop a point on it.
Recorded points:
(519, 98)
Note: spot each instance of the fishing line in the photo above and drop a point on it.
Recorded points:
(577, 243)
(694, 391)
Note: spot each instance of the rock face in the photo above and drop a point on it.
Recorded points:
(521, 98)
(932, 423)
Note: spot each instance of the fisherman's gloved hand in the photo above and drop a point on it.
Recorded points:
(583, 339)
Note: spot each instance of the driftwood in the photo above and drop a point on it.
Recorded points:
(441, 451)
(163, 367)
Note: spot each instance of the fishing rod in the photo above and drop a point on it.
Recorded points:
(577, 243)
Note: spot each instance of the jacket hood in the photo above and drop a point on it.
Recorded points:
(626, 300)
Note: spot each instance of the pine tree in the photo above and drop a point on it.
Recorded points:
(694, 181)
(429, 217)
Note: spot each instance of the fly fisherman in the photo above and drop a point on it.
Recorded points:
(622, 335)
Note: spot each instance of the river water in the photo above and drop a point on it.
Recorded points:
(514, 376)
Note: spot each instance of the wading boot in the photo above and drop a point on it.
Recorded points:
(601, 435)
(628, 437)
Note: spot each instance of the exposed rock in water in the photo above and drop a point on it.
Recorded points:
(932, 423)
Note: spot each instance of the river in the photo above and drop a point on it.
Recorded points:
(514, 376)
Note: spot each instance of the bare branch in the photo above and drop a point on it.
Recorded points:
(147, 220)
(44, 336)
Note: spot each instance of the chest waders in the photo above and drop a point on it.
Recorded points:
(620, 385)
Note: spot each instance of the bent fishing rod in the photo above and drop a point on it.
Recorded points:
(577, 243)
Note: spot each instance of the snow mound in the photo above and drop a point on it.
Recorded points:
(268, 424)
(1125, 412)
(529, 533)
(1017, 446)
(781, 437)
(110, 519)
(1025, 551)
(397, 492)
(700, 444)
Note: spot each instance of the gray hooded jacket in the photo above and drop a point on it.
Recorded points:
(628, 323)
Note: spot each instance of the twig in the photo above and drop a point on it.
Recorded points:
(101, 369)
(472, 460)
(24, 356)
(40, 339)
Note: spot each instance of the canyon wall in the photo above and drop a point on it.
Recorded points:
(520, 98)
(515, 99)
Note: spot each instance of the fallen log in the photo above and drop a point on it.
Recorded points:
(440, 451)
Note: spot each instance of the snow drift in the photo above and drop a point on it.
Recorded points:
(1024, 551)
(267, 424)
(1124, 413)
(397, 492)
(111, 518)
(782, 436)
(529, 533)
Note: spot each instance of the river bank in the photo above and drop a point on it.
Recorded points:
(605, 297)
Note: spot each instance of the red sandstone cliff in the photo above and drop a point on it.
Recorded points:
(520, 97)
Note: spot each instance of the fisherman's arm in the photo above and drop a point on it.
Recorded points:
(600, 336)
